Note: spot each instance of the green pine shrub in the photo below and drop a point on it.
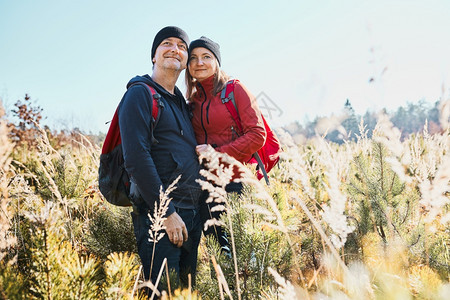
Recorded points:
(258, 244)
(109, 230)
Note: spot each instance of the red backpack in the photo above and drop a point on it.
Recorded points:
(269, 154)
(113, 179)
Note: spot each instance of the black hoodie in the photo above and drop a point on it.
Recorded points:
(152, 165)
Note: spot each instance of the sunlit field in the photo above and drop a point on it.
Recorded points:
(365, 219)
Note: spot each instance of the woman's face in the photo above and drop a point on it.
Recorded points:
(201, 63)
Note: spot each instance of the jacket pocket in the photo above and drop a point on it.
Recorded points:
(174, 173)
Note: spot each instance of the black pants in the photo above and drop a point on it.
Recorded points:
(181, 260)
(218, 232)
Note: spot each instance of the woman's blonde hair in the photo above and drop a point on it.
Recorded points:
(220, 81)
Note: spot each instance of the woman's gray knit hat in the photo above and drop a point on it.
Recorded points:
(204, 42)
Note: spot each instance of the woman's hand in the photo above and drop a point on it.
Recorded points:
(201, 148)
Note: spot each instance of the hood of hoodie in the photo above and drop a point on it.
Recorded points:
(177, 99)
(162, 91)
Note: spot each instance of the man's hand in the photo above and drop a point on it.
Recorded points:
(176, 229)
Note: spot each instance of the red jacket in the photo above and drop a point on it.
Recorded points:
(214, 125)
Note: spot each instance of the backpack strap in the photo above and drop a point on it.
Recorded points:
(156, 104)
(227, 96)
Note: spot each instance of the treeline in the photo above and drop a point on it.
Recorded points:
(409, 119)
(344, 126)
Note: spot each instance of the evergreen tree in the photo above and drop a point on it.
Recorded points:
(433, 113)
(370, 120)
(351, 122)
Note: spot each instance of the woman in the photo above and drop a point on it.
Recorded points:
(212, 122)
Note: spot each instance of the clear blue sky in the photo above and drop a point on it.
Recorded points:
(75, 57)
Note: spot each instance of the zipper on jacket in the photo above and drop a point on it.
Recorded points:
(201, 115)
(234, 134)
(173, 108)
(207, 111)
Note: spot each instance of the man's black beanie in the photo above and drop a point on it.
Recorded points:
(167, 32)
(204, 42)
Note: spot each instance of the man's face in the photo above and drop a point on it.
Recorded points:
(171, 54)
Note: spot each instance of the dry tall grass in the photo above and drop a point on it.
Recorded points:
(365, 220)
(7, 239)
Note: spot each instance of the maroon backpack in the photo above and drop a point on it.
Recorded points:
(269, 154)
(113, 179)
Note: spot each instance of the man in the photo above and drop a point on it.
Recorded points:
(155, 157)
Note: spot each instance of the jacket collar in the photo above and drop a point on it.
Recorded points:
(206, 85)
